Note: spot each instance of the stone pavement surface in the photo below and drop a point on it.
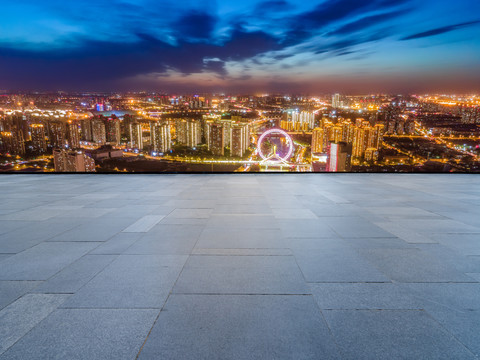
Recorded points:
(240, 266)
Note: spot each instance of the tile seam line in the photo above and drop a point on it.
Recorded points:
(165, 302)
(38, 323)
(339, 349)
(451, 334)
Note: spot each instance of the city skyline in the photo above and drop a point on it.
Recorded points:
(147, 132)
(254, 46)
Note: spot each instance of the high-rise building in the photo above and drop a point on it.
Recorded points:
(215, 139)
(317, 140)
(339, 158)
(112, 129)
(136, 136)
(371, 155)
(57, 134)
(160, 137)
(378, 134)
(72, 161)
(73, 135)
(98, 131)
(238, 143)
(86, 130)
(39, 143)
(188, 132)
(358, 145)
(12, 142)
(336, 101)
(410, 127)
(298, 121)
(227, 126)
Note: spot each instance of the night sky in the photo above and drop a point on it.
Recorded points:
(349, 46)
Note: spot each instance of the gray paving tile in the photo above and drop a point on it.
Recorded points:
(130, 281)
(334, 197)
(20, 317)
(131, 212)
(451, 258)
(240, 208)
(319, 243)
(241, 275)
(286, 213)
(183, 221)
(240, 327)
(460, 296)
(144, 224)
(193, 204)
(392, 334)
(464, 325)
(241, 238)
(86, 334)
(8, 225)
(408, 212)
(404, 233)
(243, 252)
(351, 227)
(12, 290)
(33, 214)
(74, 276)
(158, 244)
(242, 221)
(34, 233)
(444, 226)
(84, 212)
(475, 276)
(175, 231)
(117, 244)
(378, 243)
(99, 229)
(334, 210)
(306, 228)
(413, 265)
(43, 260)
(337, 265)
(352, 296)
(466, 244)
(190, 213)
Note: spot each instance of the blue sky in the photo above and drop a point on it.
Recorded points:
(241, 46)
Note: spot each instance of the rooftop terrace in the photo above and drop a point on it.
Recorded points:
(253, 266)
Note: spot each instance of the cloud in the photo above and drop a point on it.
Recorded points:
(195, 25)
(308, 24)
(367, 22)
(96, 62)
(272, 6)
(440, 30)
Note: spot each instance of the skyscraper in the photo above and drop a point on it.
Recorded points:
(112, 129)
(160, 137)
(336, 101)
(317, 140)
(136, 136)
(98, 131)
(238, 143)
(12, 143)
(73, 135)
(57, 134)
(72, 161)
(215, 139)
(39, 144)
(339, 158)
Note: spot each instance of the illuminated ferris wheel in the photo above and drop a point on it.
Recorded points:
(275, 145)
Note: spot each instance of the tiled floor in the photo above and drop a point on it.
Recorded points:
(252, 266)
